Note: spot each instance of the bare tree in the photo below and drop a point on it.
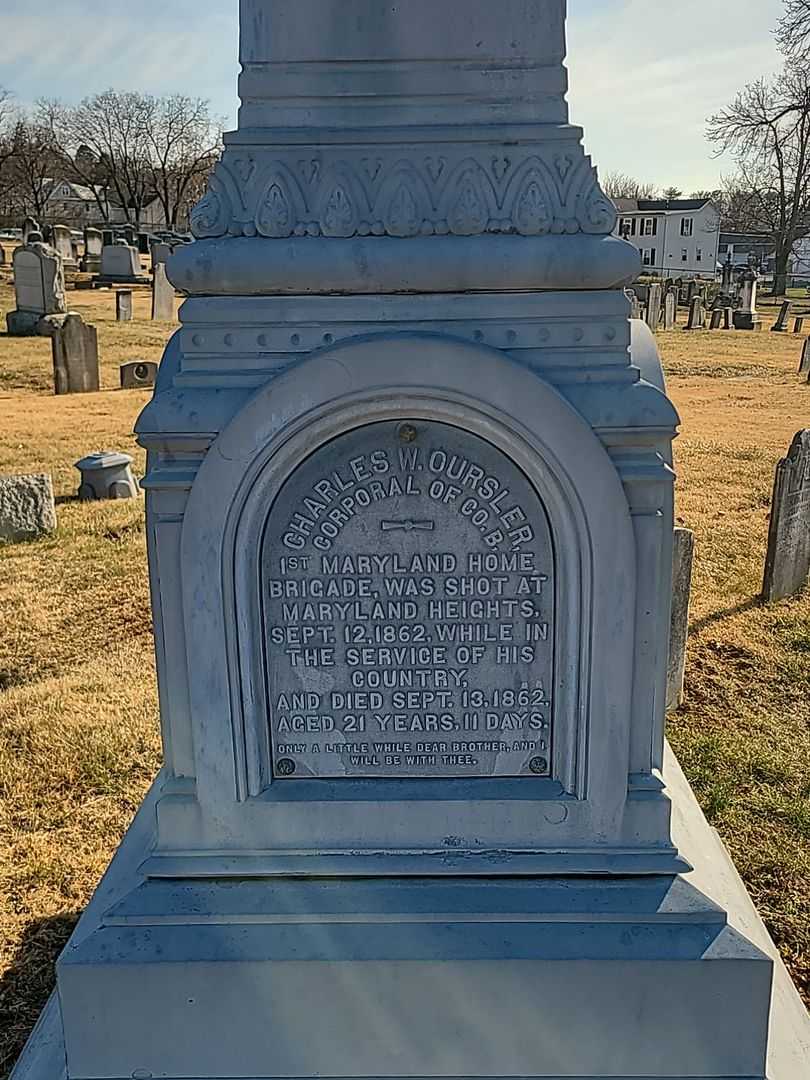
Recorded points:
(104, 143)
(793, 29)
(767, 130)
(30, 167)
(183, 142)
(618, 185)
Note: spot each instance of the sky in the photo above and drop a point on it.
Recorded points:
(644, 74)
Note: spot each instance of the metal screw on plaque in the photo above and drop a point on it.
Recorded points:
(538, 765)
(407, 433)
(285, 767)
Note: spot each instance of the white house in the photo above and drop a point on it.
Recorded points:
(676, 237)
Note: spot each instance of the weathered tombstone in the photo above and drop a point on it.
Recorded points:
(27, 508)
(160, 253)
(787, 563)
(654, 307)
(107, 238)
(107, 475)
(129, 235)
(93, 246)
(781, 324)
(138, 375)
(727, 284)
(716, 319)
(120, 262)
(75, 357)
(162, 296)
(39, 287)
(670, 309)
(30, 225)
(635, 306)
(697, 316)
(411, 598)
(143, 243)
(691, 292)
(746, 316)
(798, 325)
(683, 554)
(728, 318)
(123, 305)
(62, 240)
(804, 362)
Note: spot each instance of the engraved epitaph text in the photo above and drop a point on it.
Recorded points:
(408, 606)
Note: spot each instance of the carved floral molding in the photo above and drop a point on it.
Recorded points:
(434, 194)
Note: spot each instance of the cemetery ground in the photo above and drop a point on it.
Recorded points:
(78, 707)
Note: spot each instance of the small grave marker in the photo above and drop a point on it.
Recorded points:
(162, 296)
(683, 553)
(123, 305)
(787, 563)
(107, 475)
(138, 375)
(27, 507)
(781, 324)
(670, 309)
(696, 315)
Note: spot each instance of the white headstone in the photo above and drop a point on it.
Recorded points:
(62, 241)
(39, 287)
(162, 295)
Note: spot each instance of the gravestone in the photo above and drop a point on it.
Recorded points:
(130, 235)
(2, 255)
(143, 243)
(654, 307)
(123, 305)
(798, 325)
(716, 319)
(683, 554)
(804, 361)
(107, 238)
(62, 240)
(635, 306)
(138, 375)
(728, 318)
(75, 357)
(27, 507)
(746, 316)
(787, 563)
(162, 295)
(411, 598)
(697, 316)
(781, 324)
(120, 262)
(670, 309)
(39, 287)
(93, 247)
(160, 253)
(107, 475)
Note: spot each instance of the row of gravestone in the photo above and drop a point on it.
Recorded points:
(40, 291)
(61, 237)
(787, 562)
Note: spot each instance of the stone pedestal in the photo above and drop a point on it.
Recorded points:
(107, 475)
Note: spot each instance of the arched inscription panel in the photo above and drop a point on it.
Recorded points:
(408, 584)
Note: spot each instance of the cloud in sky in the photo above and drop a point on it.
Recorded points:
(645, 74)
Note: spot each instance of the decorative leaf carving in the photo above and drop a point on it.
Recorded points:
(212, 214)
(469, 211)
(276, 216)
(339, 217)
(403, 217)
(531, 215)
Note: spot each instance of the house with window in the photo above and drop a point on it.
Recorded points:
(676, 237)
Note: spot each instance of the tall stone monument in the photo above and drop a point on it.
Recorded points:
(410, 518)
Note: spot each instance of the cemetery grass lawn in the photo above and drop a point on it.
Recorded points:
(79, 742)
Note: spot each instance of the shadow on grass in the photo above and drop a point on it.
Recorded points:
(725, 613)
(26, 984)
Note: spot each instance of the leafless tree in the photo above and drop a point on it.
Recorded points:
(30, 167)
(183, 141)
(618, 185)
(103, 142)
(793, 30)
(767, 130)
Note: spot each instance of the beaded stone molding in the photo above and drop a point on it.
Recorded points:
(401, 194)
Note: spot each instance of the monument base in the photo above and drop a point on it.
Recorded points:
(745, 320)
(652, 978)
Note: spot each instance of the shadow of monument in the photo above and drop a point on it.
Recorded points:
(725, 613)
(27, 982)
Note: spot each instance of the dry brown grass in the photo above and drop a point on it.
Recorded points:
(78, 713)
